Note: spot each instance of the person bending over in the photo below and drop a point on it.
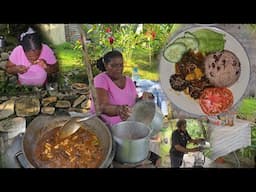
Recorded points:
(32, 60)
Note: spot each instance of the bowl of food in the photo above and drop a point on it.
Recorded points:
(89, 147)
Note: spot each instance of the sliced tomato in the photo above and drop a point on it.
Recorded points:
(216, 100)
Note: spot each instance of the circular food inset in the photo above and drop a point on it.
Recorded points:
(222, 68)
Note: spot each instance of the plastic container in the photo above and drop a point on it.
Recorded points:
(164, 107)
(35, 76)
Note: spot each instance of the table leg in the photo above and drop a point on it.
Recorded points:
(238, 164)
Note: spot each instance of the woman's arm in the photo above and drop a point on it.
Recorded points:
(11, 68)
(52, 68)
(186, 150)
(111, 110)
(196, 141)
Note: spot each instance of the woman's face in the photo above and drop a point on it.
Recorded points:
(115, 68)
(184, 126)
(33, 55)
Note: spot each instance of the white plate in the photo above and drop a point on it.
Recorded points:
(185, 102)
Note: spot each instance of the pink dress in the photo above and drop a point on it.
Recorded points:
(35, 75)
(117, 96)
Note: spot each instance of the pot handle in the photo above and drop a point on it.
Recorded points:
(21, 160)
(150, 132)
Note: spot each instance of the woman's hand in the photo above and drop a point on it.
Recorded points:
(21, 69)
(42, 63)
(124, 111)
(198, 141)
(15, 69)
(147, 95)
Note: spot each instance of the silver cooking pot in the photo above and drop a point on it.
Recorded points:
(132, 141)
(147, 112)
(42, 124)
(157, 123)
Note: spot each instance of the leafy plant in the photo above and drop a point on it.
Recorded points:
(139, 47)
(250, 151)
(247, 109)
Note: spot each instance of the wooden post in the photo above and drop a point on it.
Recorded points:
(89, 70)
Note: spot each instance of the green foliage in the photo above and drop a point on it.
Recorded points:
(16, 89)
(68, 58)
(250, 151)
(126, 38)
(165, 137)
(64, 46)
(194, 128)
(247, 109)
(139, 49)
(156, 36)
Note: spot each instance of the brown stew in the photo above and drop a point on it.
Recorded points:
(80, 150)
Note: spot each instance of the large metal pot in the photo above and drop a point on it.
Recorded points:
(132, 141)
(42, 124)
(147, 112)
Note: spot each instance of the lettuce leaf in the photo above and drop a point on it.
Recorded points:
(209, 41)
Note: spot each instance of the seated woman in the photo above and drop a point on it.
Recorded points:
(115, 92)
(32, 60)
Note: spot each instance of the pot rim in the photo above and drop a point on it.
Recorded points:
(108, 157)
(127, 139)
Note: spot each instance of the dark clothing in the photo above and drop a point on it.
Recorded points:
(178, 138)
(176, 161)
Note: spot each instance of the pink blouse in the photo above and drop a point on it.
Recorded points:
(117, 96)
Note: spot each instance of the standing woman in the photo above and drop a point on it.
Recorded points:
(32, 60)
(180, 138)
(116, 93)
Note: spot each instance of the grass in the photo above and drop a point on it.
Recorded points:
(68, 58)
(147, 66)
(247, 109)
